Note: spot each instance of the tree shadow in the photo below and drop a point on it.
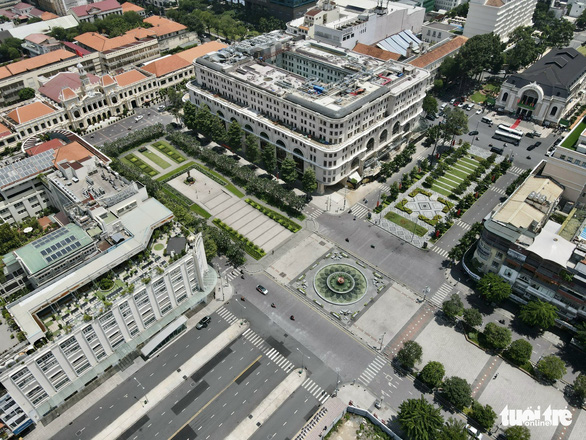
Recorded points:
(421, 387)
(573, 357)
(442, 320)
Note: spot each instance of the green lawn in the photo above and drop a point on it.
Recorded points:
(158, 247)
(441, 190)
(471, 163)
(460, 172)
(478, 97)
(570, 141)
(144, 167)
(170, 151)
(156, 159)
(582, 50)
(200, 211)
(406, 223)
(447, 182)
(176, 171)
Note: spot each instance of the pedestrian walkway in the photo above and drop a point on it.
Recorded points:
(410, 330)
(372, 370)
(497, 190)
(440, 251)
(230, 274)
(486, 375)
(313, 212)
(359, 210)
(439, 297)
(227, 315)
(463, 225)
(315, 390)
(516, 170)
(271, 353)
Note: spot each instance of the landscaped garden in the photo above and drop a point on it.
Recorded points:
(171, 152)
(570, 141)
(406, 223)
(135, 161)
(274, 215)
(155, 158)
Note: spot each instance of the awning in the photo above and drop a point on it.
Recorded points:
(162, 335)
(355, 176)
(564, 122)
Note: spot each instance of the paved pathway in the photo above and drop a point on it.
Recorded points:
(486, 375)
(409, 332)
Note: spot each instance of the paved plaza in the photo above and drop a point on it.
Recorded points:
(235, 212)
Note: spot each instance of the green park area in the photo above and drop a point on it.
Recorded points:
(570, 141)
(455, 175)
(171, 152)
(406, 223)
(131, 159)
(155, 158)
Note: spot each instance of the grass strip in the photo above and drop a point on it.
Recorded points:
(274, 215)
(156, 159)
(248, 246)
(406, 223)
(570, 141)
(170, 151)
(176, 172)
(217, 177)
(140, 164)
(200, 211)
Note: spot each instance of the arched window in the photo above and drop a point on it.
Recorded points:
(505, 96)
(396, 127)
(553, 111)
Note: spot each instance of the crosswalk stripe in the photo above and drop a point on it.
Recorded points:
(359, 210)
(305, 383)
(440, 251)
(326, 397)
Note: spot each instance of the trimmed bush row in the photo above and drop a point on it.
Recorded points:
(402, 207)
(420, 191)
(249, 247)
(273, 215)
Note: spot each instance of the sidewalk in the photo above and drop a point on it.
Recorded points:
(362, 398)
(43, 432)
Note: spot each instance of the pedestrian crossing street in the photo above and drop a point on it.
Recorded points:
(359, 210)
(500, 191)
(516, 170)
(315, 390)
(372, 370)
(229, 275)
(463, 225)
(313, 212)
(440, 251)
(439, 297)
(276, 357)
(227, 315)
(385, 189)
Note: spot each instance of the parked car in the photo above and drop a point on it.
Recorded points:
(431, 117)
(557, 142)
(262, 289)
(203, 322)
(462, 104)
(537, 144)
(478, 111)
(138, 118)
(531, 147)
(473, 133)
(473, 432)
(452, 101)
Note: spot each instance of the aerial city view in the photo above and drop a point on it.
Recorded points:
(293, 220)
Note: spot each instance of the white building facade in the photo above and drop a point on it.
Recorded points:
(498, 16)
(334, 111)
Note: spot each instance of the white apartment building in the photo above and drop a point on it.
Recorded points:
(498, 16)
(344, 24)
(333, 110)
(448, 5)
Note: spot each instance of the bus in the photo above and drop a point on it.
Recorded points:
(507, 137)
(510, 130)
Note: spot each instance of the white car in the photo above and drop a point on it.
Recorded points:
(478, 111)
(462, 104)
(473, 432)
(138, 118)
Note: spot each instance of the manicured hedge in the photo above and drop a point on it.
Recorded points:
(249, 247)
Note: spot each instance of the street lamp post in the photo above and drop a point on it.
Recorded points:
(302, 357)
(146, 399)
(425, 292)
(382, 338)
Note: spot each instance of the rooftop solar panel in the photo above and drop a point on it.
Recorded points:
(26, 167)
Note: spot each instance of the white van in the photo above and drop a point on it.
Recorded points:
(443, 106)
(486, 120)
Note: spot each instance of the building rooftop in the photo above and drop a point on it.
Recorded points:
(34, 63)
(4, 131)
(495, 3)
(162, 66)
(43, 27)
(25, 168)
(37, 38)
(365, 78)
(164, 26)
(63, 80)
(522, 208)
(127, 7)
(130, 77)
(190, 55)
(139, 223)
(48, 16)
(376, 52)
(555, 73)
(76, 48)
(402, 43)
(31, 111)
(52, 248)
(441, 26)
(550, 246)
(95, 8)
(101, 43)
(439, 52)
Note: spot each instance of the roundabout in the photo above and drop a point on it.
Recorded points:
(341, 284)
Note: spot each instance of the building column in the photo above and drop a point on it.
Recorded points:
(321, 188)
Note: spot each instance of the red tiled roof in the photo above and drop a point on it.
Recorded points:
(34, 63)
(53, 144)
(4, 131)
(107, 80)
(102, 43)
(128, 78)
(313, 12)
(106, 5)
(164, 26)
(29, 112)
(126, 7)
(37, 38)
(445, 49)
(194, 53)
(163, 66)
(376, 52)
(76, 48)
(64, 80)
(48, 16)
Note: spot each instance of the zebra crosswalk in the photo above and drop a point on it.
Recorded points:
(226, 315)
(441, 294)
(315, 390)
(372, 370)
(230, 274)
(384, 189)
(359, 210)
(516, 170)
(500, 191)
(440, 251)
(463, 225)
(270, 352)
(313, 212)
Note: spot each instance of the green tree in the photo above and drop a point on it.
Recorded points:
(410, 354)
(26, 93)
(269, 157)
(581, 21)
(581, 334)
(234, 137)
(484, 415)
(519, 351)
(459, 11)
(453, 429)
(58, 33)
(457, 391)
(455, 122)
(453, 306)
(308, 181)
(539, 314)
(202, 121)
(218, 130)
(432, 374)
(429, 104)
(252, 150)
(525, 49)
(419, 419)
(519, 432)
(472, 317)
(551, 368)
(496, 336)
(580, 387)
(449, 69)
(289, 170)
(481, 52)
(494, 288)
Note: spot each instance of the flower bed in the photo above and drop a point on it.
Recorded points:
(402, 207)
(248, 246)
(273, 215)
